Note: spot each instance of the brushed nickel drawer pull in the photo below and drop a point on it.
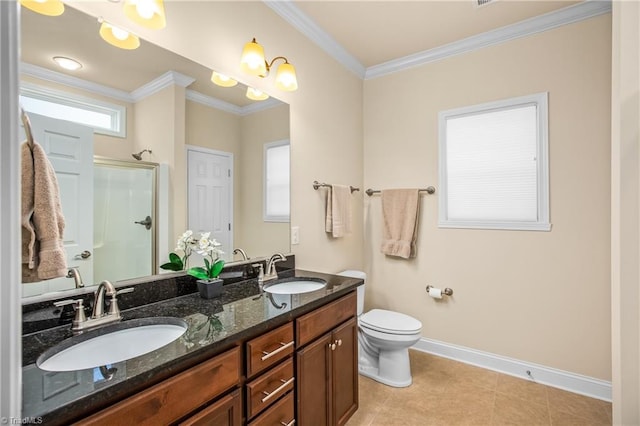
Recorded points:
(291, 423)
(283, 346)
(284, 384)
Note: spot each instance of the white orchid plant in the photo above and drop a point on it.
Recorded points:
(204, 246)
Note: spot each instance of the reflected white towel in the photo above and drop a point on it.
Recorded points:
(338, 212)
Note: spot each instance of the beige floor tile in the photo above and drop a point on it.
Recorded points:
(579, 406)
(558, 418)
(469, 374)
(521, 388)
(510, 410)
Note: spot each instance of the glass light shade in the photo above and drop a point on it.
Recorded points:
(256, 94)
(118, 37)
(148, 13)
(67, 63)
(44, 7)
(222, 80)
(286, 77)
(252, 59)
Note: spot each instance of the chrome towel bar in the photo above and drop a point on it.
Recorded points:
(428, 189)
(317, 185)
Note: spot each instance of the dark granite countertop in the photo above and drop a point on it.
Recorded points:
(214, 326)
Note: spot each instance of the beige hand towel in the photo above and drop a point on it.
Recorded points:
(43, 254)
(400, 222)
(338, 213)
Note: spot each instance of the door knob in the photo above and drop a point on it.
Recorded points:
(84, 255)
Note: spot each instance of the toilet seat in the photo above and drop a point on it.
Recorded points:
(390, 322)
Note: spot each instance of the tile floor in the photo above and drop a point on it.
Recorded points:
(446, 392)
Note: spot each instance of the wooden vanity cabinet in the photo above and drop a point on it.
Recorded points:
(169, 401)
(327, 368)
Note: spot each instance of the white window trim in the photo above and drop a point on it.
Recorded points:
(118, 113)
(540, 100)
(266, 217)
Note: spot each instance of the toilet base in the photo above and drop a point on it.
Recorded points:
(372, 373)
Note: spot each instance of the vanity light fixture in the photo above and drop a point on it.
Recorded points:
(148, 13)
(44, 7)
(67, 63)
(256, 95)
(118, 37)
(253, 62)
(222, 80)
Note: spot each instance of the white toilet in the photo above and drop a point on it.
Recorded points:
(384, 338)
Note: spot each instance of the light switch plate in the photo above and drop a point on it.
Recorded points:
(295, 235)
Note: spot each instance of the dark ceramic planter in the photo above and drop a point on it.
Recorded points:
(210, 289)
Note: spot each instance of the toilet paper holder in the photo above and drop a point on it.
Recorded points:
(447, 290)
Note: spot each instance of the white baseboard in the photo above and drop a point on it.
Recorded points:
(576, 383)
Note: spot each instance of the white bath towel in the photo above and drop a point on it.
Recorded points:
(400, 222)
(338, 212)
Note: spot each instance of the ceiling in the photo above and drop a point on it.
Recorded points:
(366, 33)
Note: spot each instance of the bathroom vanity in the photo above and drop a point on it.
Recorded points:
(249, 357)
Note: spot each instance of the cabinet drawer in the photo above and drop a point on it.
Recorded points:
(280, 413)
(172, 399)
(226, 412)
(268, 349)
(318, 322)
(266, 389)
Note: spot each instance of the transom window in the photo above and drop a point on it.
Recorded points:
(494, 165)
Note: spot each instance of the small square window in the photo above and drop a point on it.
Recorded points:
(494, 165)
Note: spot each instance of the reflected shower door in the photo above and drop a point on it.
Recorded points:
(124, 220)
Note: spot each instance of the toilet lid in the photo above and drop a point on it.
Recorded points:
(390, 322)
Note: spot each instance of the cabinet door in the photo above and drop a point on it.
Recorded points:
(345, 371)
(313, 375)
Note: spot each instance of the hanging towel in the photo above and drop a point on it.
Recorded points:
(43, 253)
(399, 222)
(338, 213)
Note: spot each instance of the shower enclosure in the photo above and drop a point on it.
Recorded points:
(124, 219)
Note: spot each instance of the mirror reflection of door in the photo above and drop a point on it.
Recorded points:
(210, 203)
(69, 147)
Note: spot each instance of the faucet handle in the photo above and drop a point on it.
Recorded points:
(78, 306)
(260, 271)
(125, 290)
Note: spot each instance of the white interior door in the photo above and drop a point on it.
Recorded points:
(69, 147)
(210, 200)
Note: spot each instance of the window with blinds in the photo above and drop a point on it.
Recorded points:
(276, 181)
(494, 165)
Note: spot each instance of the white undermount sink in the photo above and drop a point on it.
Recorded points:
(295, 285)
(112, 343)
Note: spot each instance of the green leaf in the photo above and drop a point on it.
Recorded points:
(198, 272)
(174, 258)
(217, 268)
(206, 264)
(171, 267)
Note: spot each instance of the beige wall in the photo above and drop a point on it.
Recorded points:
(253, 234)
(542, 297)
(625, 213)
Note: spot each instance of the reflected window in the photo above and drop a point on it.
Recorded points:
(105, 118)
(276, 181)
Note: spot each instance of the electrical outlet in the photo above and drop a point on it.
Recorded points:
(295, 235)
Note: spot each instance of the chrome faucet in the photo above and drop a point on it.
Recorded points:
(271, 273)
(98, 317)
(242, 253)
(75, 274)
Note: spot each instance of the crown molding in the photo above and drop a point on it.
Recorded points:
(296, 18)
(575, 13)
(198, 97)
(167, 79)
(75, 82)
(568, 15)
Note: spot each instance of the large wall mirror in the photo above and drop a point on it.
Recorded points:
(201, 150)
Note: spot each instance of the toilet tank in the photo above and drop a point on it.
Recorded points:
(351, 273)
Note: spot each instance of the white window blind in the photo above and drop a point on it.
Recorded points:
(276, 181)
(493, 165)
